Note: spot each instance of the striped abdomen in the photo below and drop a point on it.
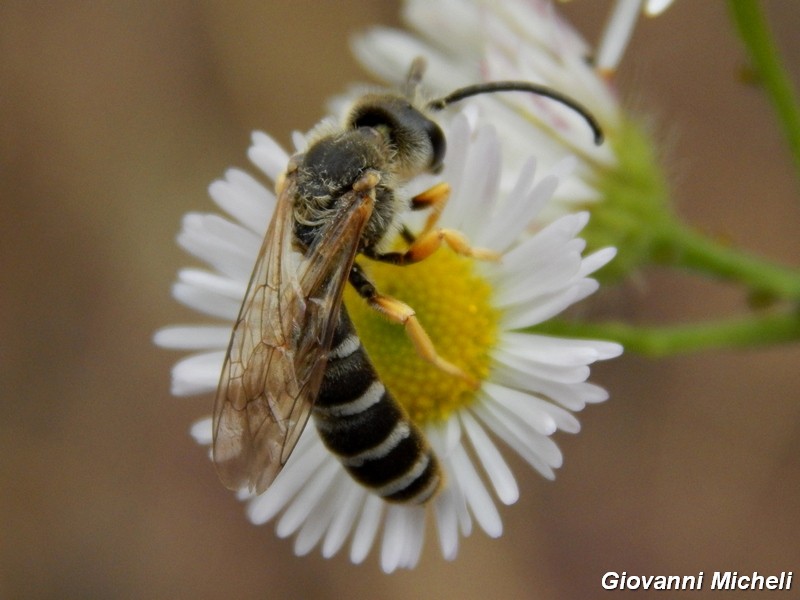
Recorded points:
(367, 429)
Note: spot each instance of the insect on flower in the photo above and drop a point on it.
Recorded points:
(294, 351)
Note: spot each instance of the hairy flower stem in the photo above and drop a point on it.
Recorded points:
(752, 27)
(676, 245)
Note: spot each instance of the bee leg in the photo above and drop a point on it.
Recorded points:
(431, 237)
(434, 198)
(407, 235)
(429, 242)
(401, 313)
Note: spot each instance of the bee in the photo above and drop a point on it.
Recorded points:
(294, 351)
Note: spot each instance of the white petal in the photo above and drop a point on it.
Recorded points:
(573, 396)
(478, 499)
(477, 191)
(554, 350)
(245, 199)
(494, 234)
(505, 486)
(523, 381)
(554, 372)
(521, 406)
(541, 278)
(267, 155)
(299, 141)
(308, 499)
(605, 350)
(452, 436)
(367, 528)
(318, 521)
(193, 337)
(654, 8)
(392, 539)
(617, 34)
(545, 243)
(539, 451)
(590, 393)
(447, 23)
(519, 218)
(548, 306)
(596, 260)
(209, 293)
(201, 431)
(533, 256)
(446, 512)
(459, 134)
(229, 248)
(387, 53)
(537, 412)
(213, 283)
(564, 168)
(402, 537)
(197, 374)
(213, 306)
(301, 468)
(415, 537)
(343, 521)
(456, 500)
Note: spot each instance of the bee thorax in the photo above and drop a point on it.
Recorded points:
(353, 160)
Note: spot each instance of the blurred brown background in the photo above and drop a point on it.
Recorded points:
(115, 116)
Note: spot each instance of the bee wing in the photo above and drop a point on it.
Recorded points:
(277, 354)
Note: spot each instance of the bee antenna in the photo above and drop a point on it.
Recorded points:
(519, 86)
(414, 77)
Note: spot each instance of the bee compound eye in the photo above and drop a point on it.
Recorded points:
(372, 117)
(418, 140)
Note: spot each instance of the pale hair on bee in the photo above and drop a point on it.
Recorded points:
(294, 351)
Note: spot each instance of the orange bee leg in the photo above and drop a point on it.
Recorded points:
(429, 242)
(401, 313)
(434, 198)
(431, 238)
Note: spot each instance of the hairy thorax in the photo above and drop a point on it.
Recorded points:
(329, 170)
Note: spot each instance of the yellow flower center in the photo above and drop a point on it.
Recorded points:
(452, 302)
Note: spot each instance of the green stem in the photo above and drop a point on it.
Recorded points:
(678, 246)
(752, 26)
(654, 342)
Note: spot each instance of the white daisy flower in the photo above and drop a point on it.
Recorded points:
(478, 315)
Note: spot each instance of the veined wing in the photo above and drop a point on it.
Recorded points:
(277, 354)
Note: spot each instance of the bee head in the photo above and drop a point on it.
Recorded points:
(417, 142)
